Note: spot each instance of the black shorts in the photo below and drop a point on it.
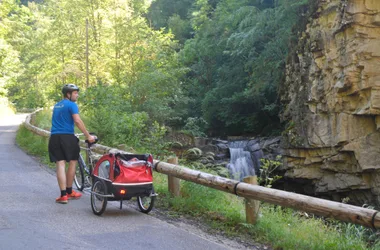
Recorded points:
(63, 147)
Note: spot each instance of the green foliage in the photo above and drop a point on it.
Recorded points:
(198, 200)
(9, 61)
(24, 58)
(267, 171)
(116, 128)
(50, 40)
(42, 119)
(124, 124)
(155, 142)
(352, 232)
(193, 154)
(104, 96)
(200, 14)
(161, 11)
(9, 64)
(237, 61)
(195, 126)
(281, 225)
(33, 144)
(179, 27)
(234, 56)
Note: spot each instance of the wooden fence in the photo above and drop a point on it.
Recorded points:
(252, 193)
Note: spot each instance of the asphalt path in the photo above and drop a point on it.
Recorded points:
(30, 218)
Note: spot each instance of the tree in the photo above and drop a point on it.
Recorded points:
(237, 61)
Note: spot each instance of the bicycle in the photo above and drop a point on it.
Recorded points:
(83, 172)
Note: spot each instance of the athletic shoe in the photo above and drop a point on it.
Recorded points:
(62, 199)
(74, 195)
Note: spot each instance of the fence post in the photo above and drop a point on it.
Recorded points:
(173, 182)
(251, 206)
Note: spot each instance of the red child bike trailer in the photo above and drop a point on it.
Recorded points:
(118, 177)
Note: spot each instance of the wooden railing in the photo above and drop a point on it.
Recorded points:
(340, 211)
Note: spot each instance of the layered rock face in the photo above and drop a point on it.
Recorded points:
(332, 103)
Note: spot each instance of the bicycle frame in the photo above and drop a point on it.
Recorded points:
(90, 166)
(83, 173)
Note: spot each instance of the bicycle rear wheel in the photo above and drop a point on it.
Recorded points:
(79, 178)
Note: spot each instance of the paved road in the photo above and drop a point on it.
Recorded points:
(30, 218)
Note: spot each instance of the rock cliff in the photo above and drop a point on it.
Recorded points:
(331, 100)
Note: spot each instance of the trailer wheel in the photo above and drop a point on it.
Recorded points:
(146, 203)
(98, 201)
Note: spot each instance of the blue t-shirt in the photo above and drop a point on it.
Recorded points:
(62, 120)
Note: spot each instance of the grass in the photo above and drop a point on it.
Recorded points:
(33, 144)
(281, 228)
(43, 119)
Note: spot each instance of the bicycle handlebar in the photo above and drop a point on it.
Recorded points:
(86, 141)
(91, 143)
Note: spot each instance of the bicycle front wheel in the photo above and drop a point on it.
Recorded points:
(79, 178)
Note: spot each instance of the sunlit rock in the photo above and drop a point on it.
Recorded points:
(331, 100)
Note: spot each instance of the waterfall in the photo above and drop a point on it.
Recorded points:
(242, 162)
